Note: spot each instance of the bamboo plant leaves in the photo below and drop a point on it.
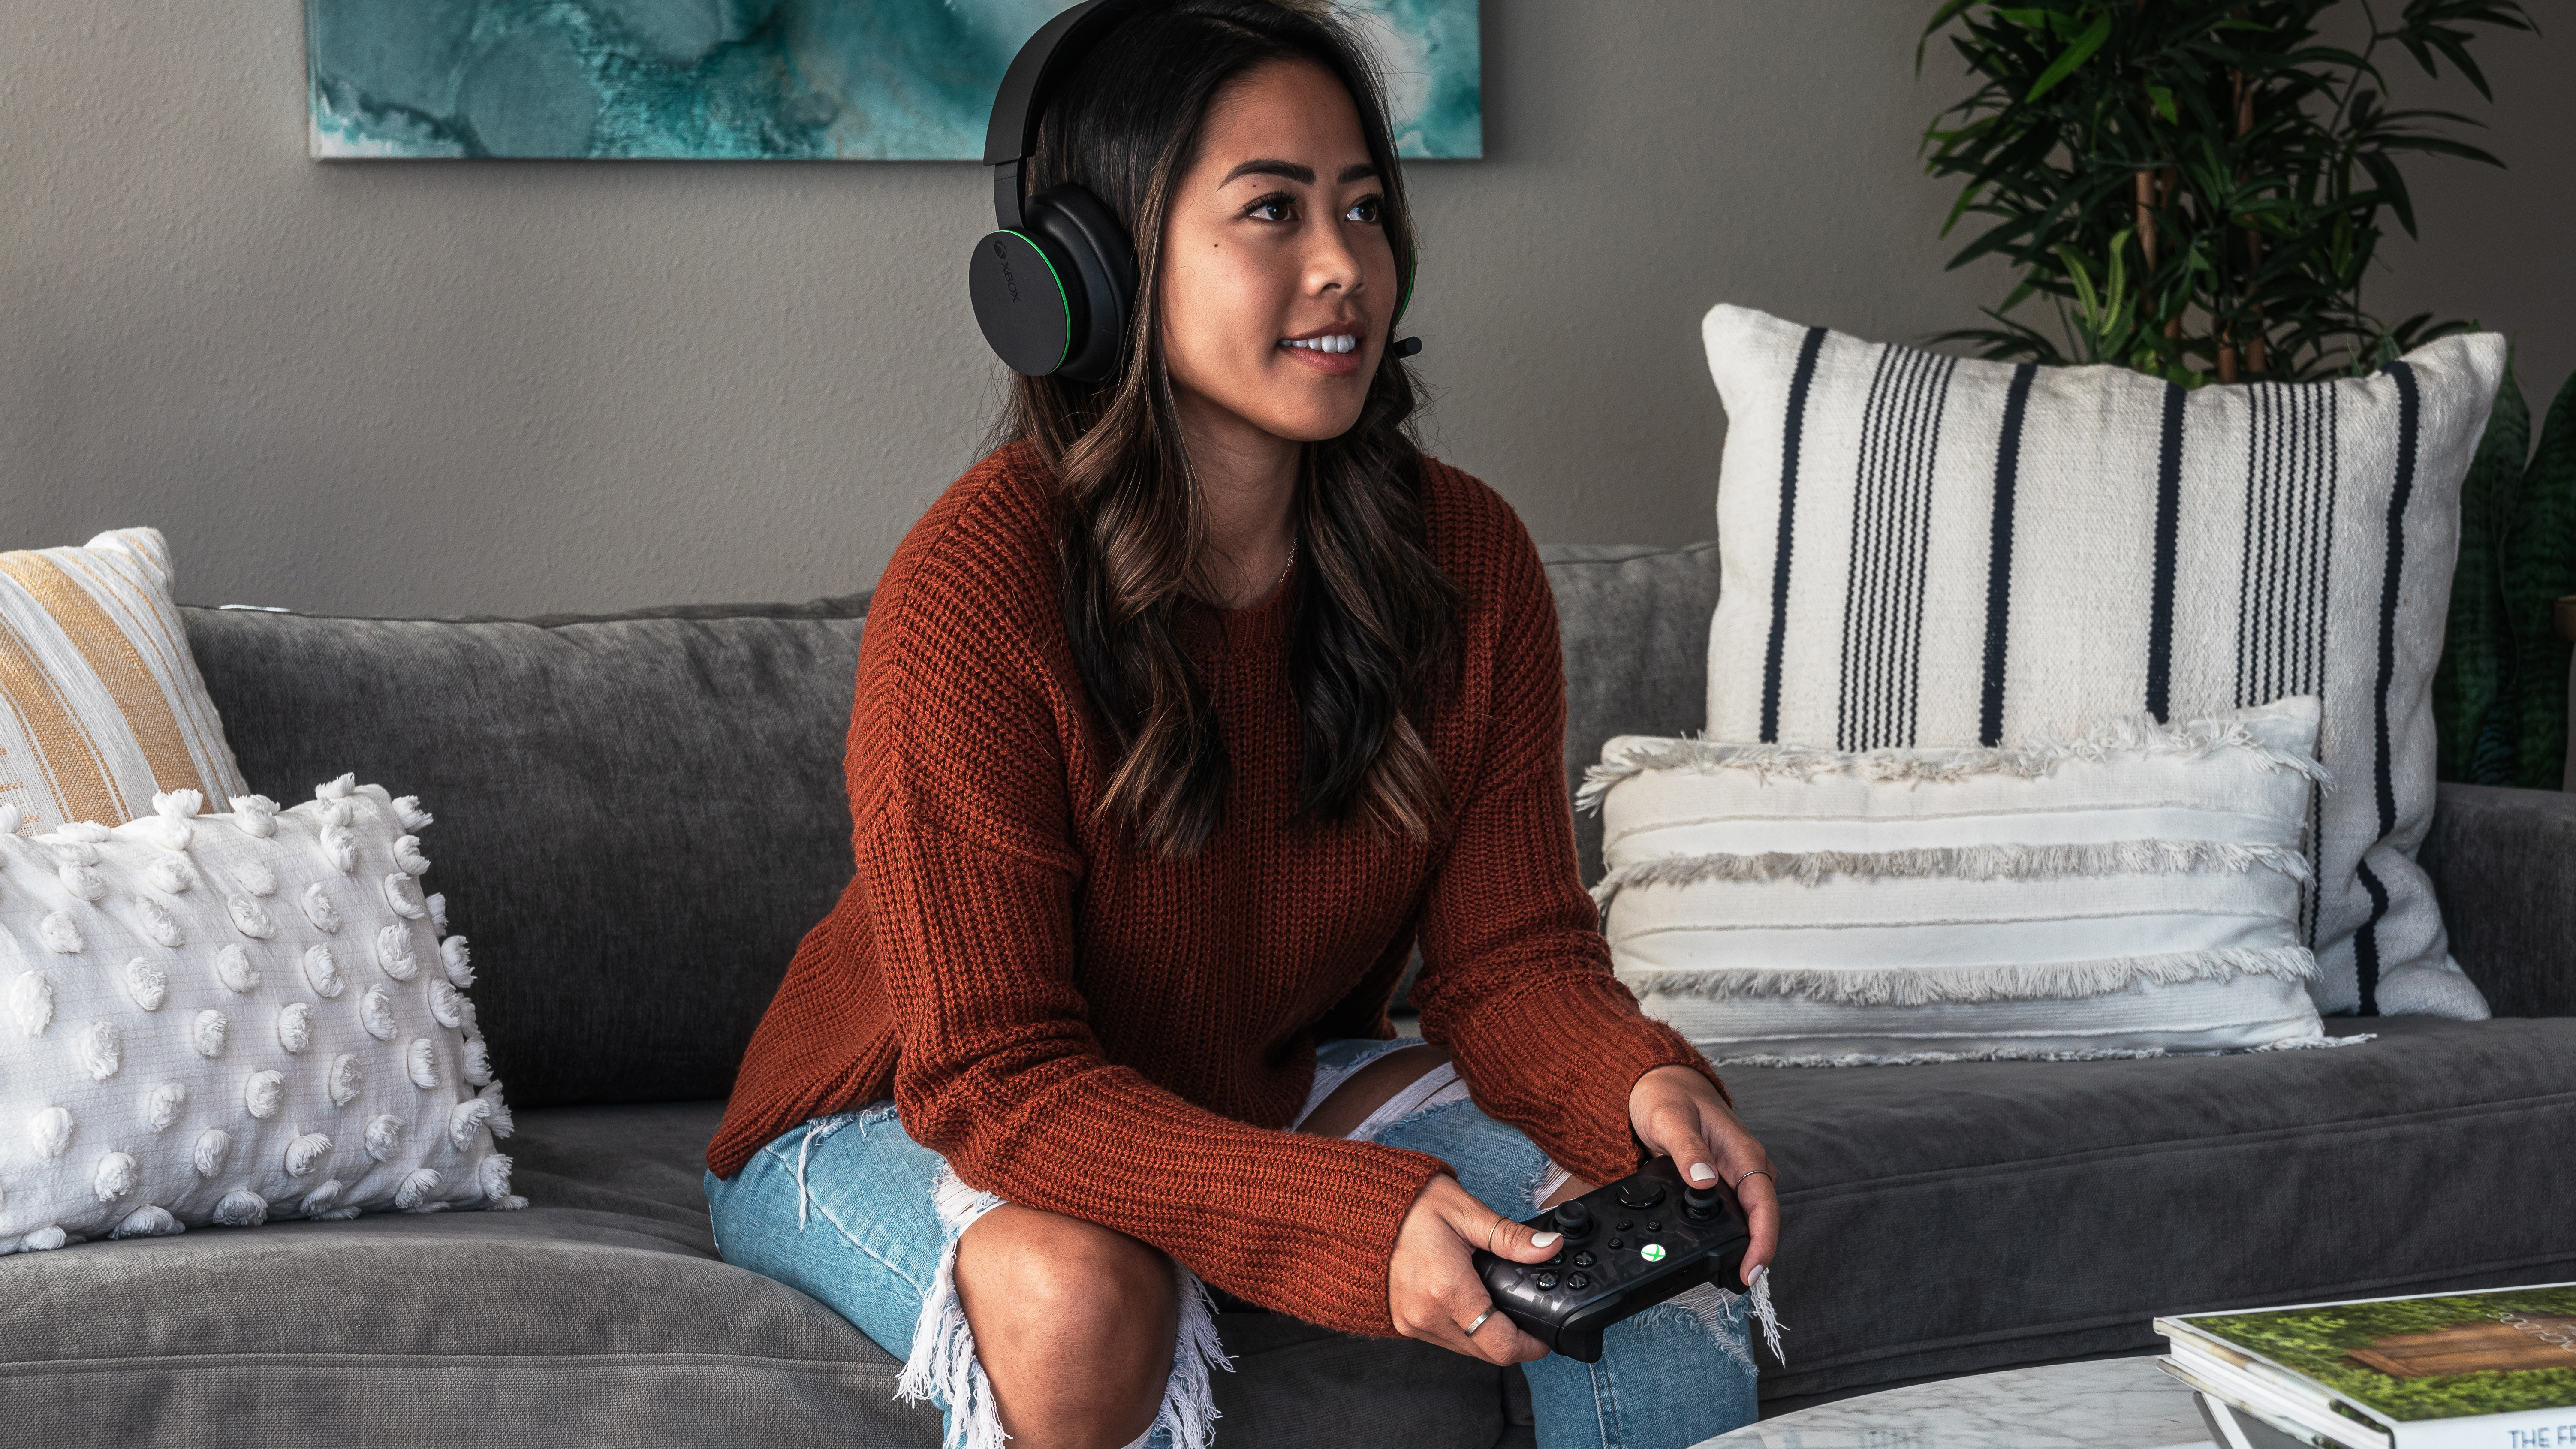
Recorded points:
(2472, 695)
(2539, 561)
(2500, 695)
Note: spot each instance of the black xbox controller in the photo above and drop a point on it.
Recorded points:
(1627, 1247)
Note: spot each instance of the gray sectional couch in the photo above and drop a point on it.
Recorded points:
(640, 814)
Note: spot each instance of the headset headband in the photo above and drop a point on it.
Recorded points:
(1040, 66)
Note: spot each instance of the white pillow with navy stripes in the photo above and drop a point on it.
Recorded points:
(1923, 550)
(2131, 892)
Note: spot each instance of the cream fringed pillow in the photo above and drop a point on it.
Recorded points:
(103, 705)
(231, 1018)
(2132, 893)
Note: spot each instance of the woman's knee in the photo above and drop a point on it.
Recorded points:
(1065, 1309)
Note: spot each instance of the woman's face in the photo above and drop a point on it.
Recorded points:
(1278, 282)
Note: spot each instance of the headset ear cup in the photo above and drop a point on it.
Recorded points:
(1080, 227)
(1029, 314)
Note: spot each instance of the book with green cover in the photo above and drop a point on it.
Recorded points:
(2493, 1368)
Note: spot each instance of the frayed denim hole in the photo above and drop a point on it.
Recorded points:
(1720, 1314)
(1542, 1177)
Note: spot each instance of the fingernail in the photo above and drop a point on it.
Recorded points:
(1703, 1172)
(1542, 1240)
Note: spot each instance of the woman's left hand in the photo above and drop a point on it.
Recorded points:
(1676, 1112)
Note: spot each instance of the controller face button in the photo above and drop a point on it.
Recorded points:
(1652, 1253)
(1578, 1281)
(1583, 1260)
(1557, 1262)
(1546, 1281)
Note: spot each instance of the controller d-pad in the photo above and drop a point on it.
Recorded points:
(1640, 1193)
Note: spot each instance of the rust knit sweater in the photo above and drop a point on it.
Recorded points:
(1089, 1030)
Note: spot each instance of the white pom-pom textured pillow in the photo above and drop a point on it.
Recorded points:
(233, 1018)
(1922, 550)
(2132, 893)
(101, 705)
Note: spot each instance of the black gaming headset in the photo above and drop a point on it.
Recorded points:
(1055, 282)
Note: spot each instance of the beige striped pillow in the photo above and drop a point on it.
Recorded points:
(104, 705)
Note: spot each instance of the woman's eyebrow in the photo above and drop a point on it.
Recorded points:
(1302, 175)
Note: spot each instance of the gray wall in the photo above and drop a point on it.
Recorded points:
(458, 387)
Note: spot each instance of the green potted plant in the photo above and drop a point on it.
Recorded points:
(2197, 186)
(2197, 189)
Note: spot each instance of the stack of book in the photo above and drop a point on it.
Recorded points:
(2494, 1370)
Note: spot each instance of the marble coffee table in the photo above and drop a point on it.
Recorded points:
(2113, 1403)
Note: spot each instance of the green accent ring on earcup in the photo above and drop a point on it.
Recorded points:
(1061, 299)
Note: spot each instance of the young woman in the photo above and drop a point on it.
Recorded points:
(1180, 719)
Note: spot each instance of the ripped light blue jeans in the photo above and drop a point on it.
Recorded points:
(852, 1211)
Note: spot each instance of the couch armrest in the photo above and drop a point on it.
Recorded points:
(2503, 864)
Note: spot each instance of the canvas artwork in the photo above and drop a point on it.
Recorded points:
(756, 80)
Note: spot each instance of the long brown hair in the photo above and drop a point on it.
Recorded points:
(1375, 638)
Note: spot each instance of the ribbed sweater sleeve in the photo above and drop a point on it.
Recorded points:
(969, 876)
(1516, 976)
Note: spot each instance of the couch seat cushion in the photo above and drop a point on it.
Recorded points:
(602, 1305)
(1969, 1216)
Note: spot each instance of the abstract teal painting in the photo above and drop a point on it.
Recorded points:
(756, 80)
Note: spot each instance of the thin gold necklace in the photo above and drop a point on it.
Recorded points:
(1292, 563)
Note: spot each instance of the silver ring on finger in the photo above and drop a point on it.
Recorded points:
(1760, 1172)
(1479, 1322)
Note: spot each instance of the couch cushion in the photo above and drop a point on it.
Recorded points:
(1964, 1217)
(2503, 863)
(601, 1305)
(638, 816)
(1633, 621)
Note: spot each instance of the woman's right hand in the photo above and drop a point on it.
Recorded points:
(1431, 1284)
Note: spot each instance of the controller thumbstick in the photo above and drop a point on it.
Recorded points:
(1700, 1202)
(1572, 1218)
